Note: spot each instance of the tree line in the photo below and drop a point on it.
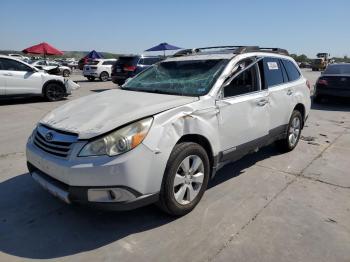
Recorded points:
(303, 58)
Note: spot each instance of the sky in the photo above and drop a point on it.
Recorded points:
(300, 26)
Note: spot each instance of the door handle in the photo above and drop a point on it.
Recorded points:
(289, 92)
(262, 102)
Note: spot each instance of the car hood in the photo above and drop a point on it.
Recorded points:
(97, 114)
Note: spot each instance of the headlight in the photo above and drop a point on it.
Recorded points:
(119, 141)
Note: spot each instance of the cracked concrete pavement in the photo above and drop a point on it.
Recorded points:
(266, 207)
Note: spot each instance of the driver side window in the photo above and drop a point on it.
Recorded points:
(245, 82)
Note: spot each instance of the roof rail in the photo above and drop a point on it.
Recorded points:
(234, 49)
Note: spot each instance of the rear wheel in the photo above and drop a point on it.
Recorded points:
(54, 92)
(293, 133)
(66, 73)
(185, 179)
(91, 78)
(120, 82)
(104, 76)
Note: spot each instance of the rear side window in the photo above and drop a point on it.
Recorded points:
(128, 60)
(292, 71)
(272, 72)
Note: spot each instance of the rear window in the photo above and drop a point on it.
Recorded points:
(272, 71)
(149, 60)
(292, 72)
(128, 60)
(338, 69)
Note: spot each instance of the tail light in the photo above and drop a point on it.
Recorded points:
(322, 82)
(308, 84)
(129, 68)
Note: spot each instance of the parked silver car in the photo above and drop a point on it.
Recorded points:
(166, 132)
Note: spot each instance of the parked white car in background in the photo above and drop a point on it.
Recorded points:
(50, 65)
(99, 68)
(166, 132)
(18, 78)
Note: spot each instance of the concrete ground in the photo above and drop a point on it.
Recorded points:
(266, 207)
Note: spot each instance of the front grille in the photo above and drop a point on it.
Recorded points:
(58, 143)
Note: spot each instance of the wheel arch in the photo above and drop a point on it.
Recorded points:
(204, 142)
(301, 108)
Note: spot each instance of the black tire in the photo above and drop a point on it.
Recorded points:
(91, 78)
(65, 73)
(54, 92)
(120, 82)
(167, 201)
(285, 145)
(104, 76)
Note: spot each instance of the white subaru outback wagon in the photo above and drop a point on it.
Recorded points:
(166, 132)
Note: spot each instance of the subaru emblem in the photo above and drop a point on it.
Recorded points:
(49, 136)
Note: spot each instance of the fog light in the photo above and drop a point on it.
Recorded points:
(110, 195)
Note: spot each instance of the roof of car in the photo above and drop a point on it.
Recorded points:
(225, 52)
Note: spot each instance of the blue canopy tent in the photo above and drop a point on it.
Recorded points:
(163, 47)
(93, 55)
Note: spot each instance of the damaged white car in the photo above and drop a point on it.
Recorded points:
(166, 132)
(18, 78)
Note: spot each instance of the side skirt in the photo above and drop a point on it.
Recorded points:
(235, 153)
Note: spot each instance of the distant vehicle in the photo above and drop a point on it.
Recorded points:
(335, 81)
(18, 56)
(305, 65)
(99, 68)
(129, 66)
(71, 64)
(18, 78)
(52, 67)
(321, 62)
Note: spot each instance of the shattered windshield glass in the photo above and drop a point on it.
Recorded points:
(189, 78)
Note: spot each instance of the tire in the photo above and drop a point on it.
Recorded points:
(120, 82)
(91, 78)
(54, 92)
(288, 143)
(180, 199)
(65, 73)
(104, 76)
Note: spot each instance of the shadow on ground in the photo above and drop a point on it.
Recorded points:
(35, 225)
(21, 100)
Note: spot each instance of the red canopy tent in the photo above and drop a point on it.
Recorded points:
(42, 49)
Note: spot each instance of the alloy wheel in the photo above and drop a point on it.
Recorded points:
(188, 179)
(294, 131)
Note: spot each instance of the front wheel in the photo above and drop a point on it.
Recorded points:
(54, 92)
(66, 73)
(91, 78)
(293, 133)
(185, 179)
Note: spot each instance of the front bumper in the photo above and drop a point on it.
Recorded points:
(123, 182)
(108, 198)
(70, 86)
